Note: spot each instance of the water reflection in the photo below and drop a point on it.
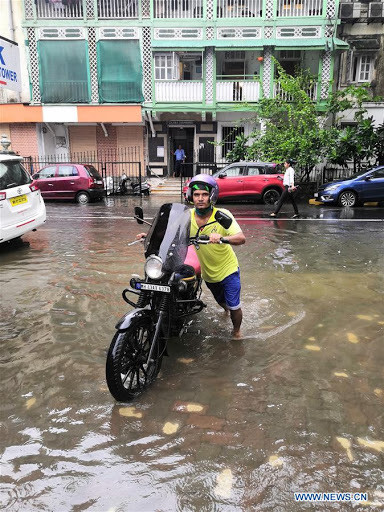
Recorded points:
(296, 405)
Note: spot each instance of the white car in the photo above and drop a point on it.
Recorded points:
(22, 208)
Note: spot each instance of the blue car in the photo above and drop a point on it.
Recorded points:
(360, 188)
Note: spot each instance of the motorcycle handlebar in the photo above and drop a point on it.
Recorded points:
(204, 239)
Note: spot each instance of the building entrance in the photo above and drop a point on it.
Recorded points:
(183, 137)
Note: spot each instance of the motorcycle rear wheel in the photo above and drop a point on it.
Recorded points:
(127, 373)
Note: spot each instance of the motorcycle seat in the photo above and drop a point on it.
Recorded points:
(192, 261)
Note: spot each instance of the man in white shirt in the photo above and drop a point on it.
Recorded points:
(289, 188)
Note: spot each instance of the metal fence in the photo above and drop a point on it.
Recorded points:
(111, 164)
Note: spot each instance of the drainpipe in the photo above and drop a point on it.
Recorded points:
(104, 129)
(12, 31)
(11, 24)
(50, 130)
(153, 131)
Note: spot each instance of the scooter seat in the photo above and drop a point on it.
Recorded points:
(192, 260)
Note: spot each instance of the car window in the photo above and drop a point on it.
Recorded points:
(13, 174)
(67, 170)
(93, 173)
(234, 171)
(268, 169)
(377, 174)
(255, 171)
(47, 172)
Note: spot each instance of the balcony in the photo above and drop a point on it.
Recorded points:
(172, 91)
(239, 8)
(76, 9)
(299, 8)
(63, 9)
(279, 93)
(179, 9)
(235, 90)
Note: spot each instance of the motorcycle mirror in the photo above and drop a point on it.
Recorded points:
(139, 214)
(223, 219)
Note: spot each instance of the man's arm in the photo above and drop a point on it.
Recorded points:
(236, 239)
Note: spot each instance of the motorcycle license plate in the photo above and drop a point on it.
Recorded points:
(155, 287)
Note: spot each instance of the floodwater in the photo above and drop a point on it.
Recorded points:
(296, 406)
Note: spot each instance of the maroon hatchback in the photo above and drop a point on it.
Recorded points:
(78, 182)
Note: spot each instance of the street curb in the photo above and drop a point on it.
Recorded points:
(319, 203)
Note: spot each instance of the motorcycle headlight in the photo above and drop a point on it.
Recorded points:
(154, 267)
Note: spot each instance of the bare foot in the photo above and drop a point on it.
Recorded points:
(236, 335)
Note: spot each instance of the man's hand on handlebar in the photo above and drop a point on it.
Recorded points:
(140, 236)
(215, 238)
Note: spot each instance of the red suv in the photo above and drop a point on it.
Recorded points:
(78, 182)
(249, 180)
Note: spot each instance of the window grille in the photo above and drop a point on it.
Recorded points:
(229, 134)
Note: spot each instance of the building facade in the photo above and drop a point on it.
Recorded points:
(362, 27)
(153, 74)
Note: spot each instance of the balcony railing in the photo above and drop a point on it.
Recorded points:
(178, 9)
(237, 90)
(289, 8)
(74, 9)
(67, 9)
(117, 9)
(279, 93)
(171, 91)
(239, 8)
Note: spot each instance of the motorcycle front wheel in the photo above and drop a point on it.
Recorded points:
(127, 372)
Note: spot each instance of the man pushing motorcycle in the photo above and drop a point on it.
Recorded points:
(218, 261)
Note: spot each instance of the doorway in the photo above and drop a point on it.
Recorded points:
(185, 138)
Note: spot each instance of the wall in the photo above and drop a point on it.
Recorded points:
(24, 139)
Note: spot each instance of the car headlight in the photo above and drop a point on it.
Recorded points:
(154, 267)
(331, 188)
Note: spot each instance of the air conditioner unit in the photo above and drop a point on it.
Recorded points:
(376, 10)
(350, 11)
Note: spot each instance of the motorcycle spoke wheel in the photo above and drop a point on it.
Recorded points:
(127, 370)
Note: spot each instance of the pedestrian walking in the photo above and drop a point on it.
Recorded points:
(289, 189)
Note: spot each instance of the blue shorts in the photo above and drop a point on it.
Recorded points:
(227, 291)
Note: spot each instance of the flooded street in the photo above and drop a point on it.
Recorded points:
(296, 406)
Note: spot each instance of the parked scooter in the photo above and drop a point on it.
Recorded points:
(132, 185)
(169, 293)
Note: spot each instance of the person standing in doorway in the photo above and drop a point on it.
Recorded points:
(180, 159)
(289, 189)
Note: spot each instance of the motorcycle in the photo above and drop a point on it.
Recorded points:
(133, 183)
(168, 294)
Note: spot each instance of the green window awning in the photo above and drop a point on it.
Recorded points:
(64, 73)
(119, 71)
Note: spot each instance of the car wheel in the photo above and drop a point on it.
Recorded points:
(271, 196)
(82, 198)
(348, 198)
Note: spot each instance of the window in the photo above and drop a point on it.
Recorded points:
(67, 170)
(119, 71)
(166, 67)
(48, 172)
(13, 174)
(234, 171)
(64, 73)
(254, 171)
(229, 134)
(362, 68)
(378, 174)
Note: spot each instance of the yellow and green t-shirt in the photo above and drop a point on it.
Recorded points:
(217, 260)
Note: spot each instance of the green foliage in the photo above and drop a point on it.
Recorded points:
(239, 151)
(292, 126)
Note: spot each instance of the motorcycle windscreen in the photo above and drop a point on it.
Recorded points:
(168, 237)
